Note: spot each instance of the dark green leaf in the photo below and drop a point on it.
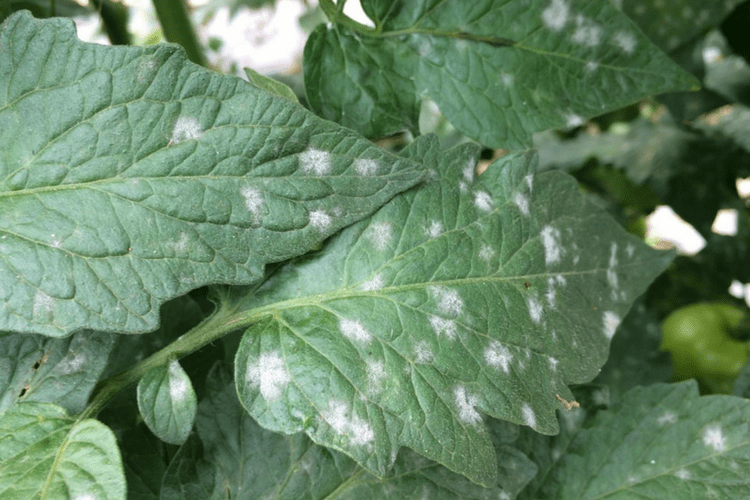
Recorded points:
(60, 371)
(44, 454)
(465, 296)
(154, 176)
(499, 70)
(41, 8)
(662, 438)
(167, 402)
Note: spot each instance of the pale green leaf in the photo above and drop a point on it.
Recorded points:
(499, 70)
(44, 454)
(220, 462)
(468, 295)
(60, 371)
(129, 176)
(270, 85)
(662, 441)
(167, 402)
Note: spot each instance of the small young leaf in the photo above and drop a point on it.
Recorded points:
(60, 371)
(497, 70)
(154, 176)
(468, 295)
(661, 438)
(45, 454)
(270, 85)
(167, 402)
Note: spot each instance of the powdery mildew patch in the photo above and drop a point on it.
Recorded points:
(366, 167)
(376, 283)
(555, 16)
(178, 385)
(42, 304)
(339, 417)
(315, 161)
(483, 201)
(380, 235)
(185, 128)
(668, 417)
(522, 202)
(486, 253)
(713, 437)
(529, 417)
(435, 229)
(468, 171)
(611, 322)
(270, 374)
(498, 355)
(423, 353)
(449, 301)
(72, 363)
(375, 374)
(626, 41)
(353, 330)
(443, 326)
(466, 403)
(587, 32)
(319, 219)
(552, 249)
(254, 199)
(535, 309)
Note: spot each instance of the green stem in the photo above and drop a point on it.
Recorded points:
(219, 324)
(115, 20)
(335, 14)
(51, 8)
(177, 28)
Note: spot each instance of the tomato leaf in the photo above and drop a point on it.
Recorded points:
(154, 176)
(167, 402)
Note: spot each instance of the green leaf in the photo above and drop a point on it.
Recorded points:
(60, 371)
(154, 176)
(661, 438)
(220, 462)
(41, 8)
(670, 24)
(498, 70)
(167, 402)
(270, 85)
(44, 454)
(469, 295)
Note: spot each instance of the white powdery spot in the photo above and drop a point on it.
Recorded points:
(375, 283)
(611, 273)
(683, 474)
(483, 201)
(626, 41)
(551, 294)
(555, 16)
(422, 353)
(486, 253)
(468, 170)
(270, 374)
(72, 364)
(611, 322)
(338, 417)
(380, 235)
(319, 219)
(668, 417)
(254, 200)
(587, 32)
(86, 496)
(714, 437)
(435, 229)
(498, 355)
(529, 181)
(592, 65)
(507, 79)
(553, 362)
(535, 310)
(315, 161)
(551, 241)
(449, 301)
(42, 304)
(573, 120)
(442, 326)
(360, 432)
(185, 128)
(466, 403)
(529, 417)
(178, 387)
(366, 167)
(375, 374)
(353, 330)
(630, 250)
(561, 280)
(522, 202)
(181, 244)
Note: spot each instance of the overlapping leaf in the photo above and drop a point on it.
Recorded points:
(129, 176)
(219, 462)
(464, 296)
(498, 69)
(662, 438)
(47, 455)
(167, 401)
(60, 371)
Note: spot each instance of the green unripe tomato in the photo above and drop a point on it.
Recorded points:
(698, 336)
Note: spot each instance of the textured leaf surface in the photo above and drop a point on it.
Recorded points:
(498, 69)
(220, 462)
(166, 400)
(129, 176)
(44, 454)
(60, 371)
(467, 295)
(662, 438)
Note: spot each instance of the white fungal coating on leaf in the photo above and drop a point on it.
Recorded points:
(422, 353)
(498, 355)
(626, 41)
(254, 200)
(435, 229)
(449, 302)
(535, 309)
(366, 167)
(375, 374)
(668, 417)
(551, 241)
(587, 32)
(72, 362)
(573, 120)
(486, 253)
(683, 474)
(611, 322)
(315, 161)
(483, 201)
(270, 374)
(178, 385)
(319, 219)
(339, 416)
(522, 202)
(468, 171)
(466, 403)
(376, 283)
(380, 235)
(42, 304)
(185, 128)
(443, 326)
(353, 330)
(713, 437)
(555, 16)
(529, 417)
